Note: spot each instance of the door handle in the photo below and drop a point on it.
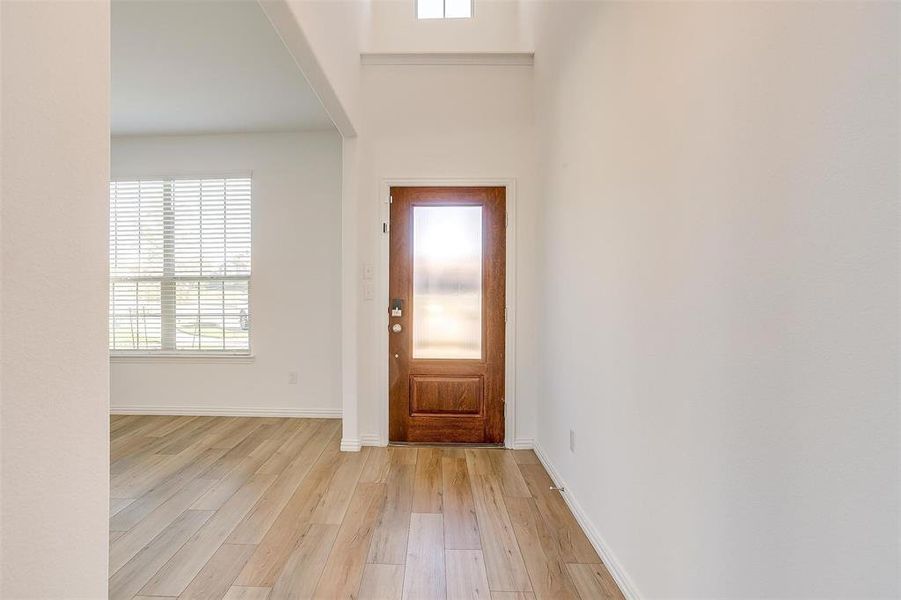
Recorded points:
(396, 328)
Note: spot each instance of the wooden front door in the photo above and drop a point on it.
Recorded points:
(446, 314)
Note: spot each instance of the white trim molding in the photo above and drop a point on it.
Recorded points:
(350, 445)
(211, 358)
(522, 444)
(380, 306)
(625, 583)
(371, 439)
(501, 59)
(222, 411)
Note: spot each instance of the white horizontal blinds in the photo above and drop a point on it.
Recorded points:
(136, 264)
(190, 239)
(212, 227)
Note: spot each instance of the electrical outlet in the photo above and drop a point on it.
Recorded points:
(368, 271)
(572, 440)
(368, 290)
(292, 377)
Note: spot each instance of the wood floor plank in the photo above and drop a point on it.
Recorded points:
(479, 462)
(123, 549)
(135, 481)
(425, 575)
(171, 427)
(550, 578)
(337, 497)
(251, 508)
(196, 431)
(240, 592)
(389, 541)
(301, 572)
(525, 457)
(266, 563)
(466, 575)
(461, 529)
(230, 458)
(344, 568)
(142, 428)
(403, 455)
(131, 515)
(117, 504)
(177, 573)
(172, 463)
(206, 429)
(120, 423)
(507, 470)
(594, 582)
(427, 486)
(215, 578)
(574, 546)
(244, 429)
(128, 580)
(382, 582)
(228, 485)
(453, 452)
(299, 435)
(264, 513)
(500, 465)
(503, 560)
(377, 467)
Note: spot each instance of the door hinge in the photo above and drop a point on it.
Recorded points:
(390, 199)
(385, 227)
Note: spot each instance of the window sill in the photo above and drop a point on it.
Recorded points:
(184, 359)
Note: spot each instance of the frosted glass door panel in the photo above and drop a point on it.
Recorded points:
(447, 282)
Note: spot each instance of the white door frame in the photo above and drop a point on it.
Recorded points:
(382, 295)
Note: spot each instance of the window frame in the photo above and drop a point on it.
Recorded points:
(444, 17)
(172, 354)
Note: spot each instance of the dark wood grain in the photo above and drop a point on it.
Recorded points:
(448, 408)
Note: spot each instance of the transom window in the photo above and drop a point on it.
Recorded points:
(443, 9)
(180, 266)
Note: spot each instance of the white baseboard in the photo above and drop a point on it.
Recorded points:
(625, 583)
(371, 439)
(204, 411)
(350, 445)
(523, 444)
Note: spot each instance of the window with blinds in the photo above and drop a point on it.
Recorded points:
(180, 266)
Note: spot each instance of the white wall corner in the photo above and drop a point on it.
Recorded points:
(350, 445)
(625, 583)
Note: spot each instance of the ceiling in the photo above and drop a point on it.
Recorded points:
(204, 66)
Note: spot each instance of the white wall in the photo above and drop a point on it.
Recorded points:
(496, 26)
(295, 282)
(441, 122)
(54, 94)
(470, 122)
(721, 271)
(324, 38)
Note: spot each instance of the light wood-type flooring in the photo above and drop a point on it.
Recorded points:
(269, 508)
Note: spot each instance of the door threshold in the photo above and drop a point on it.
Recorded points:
(446, 445)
